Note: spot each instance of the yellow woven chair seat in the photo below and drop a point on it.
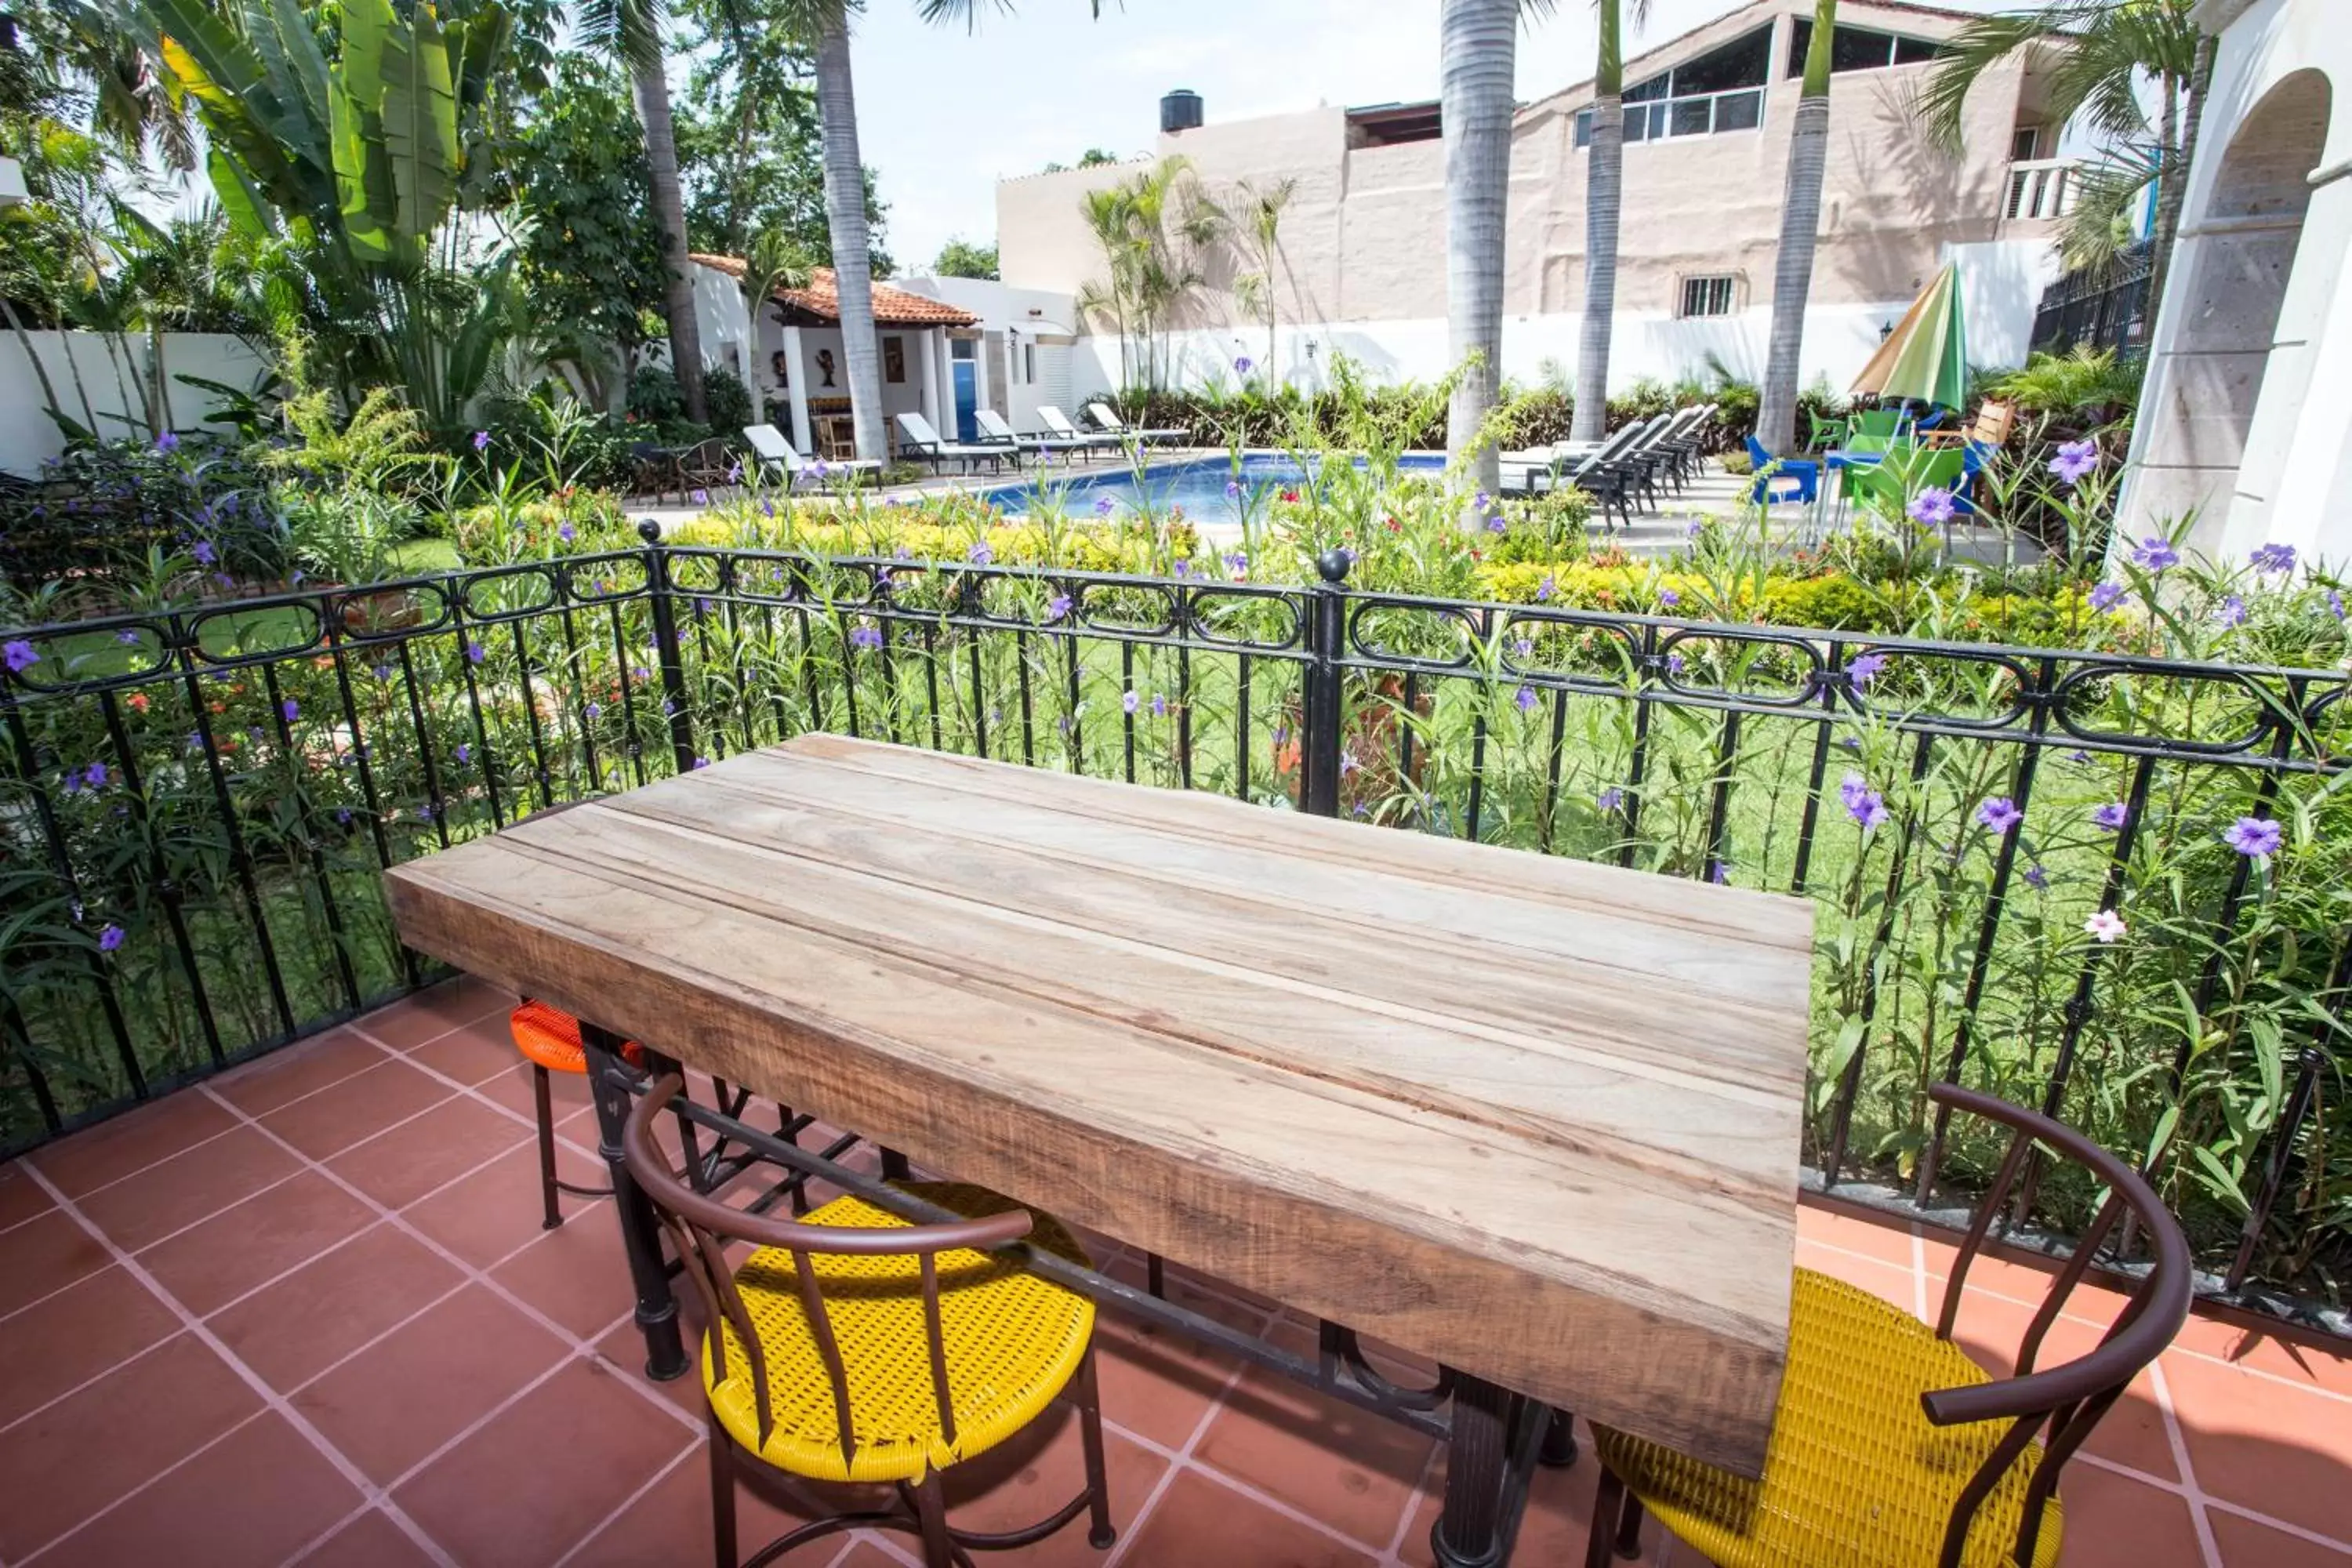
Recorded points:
(1855, 1474)
(1012, 1340)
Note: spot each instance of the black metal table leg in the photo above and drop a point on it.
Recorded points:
(640, 1232)
(1559, 1441)
(1496, 1435)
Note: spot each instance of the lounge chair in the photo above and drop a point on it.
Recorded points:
(918, 441)
(995, 432)
(1107, 419)
(777, 456)
(1057, 425)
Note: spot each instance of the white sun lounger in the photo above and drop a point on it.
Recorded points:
(1104, 415)
(776, 454)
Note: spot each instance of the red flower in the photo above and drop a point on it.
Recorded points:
(1394, 526)
(138, 700)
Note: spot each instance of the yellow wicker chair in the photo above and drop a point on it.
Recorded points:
(1891, 1447)
(852, 1346)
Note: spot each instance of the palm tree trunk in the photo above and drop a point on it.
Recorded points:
(1801, 221)
(844, 214)
(25, 341)
(1604, 187)
(651, 91)
(2172, 180)
(1477, 42)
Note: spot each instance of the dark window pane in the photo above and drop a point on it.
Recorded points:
(1912, 51)
(1584, 127)
(1743, 62)
(1637, 123)
(1694, 116)
(1860, 49)
(1644, 92)
(1801, 38)
(1739, 111)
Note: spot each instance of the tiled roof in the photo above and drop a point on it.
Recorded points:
(892, 306)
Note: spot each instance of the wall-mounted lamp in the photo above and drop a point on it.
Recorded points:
(1885, 330)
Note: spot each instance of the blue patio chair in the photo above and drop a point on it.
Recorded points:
(1802, 473)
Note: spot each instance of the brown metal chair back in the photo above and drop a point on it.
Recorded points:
(2071, 1399)
(700, 1226)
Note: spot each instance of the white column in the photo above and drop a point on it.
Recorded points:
(930, 381)
(796, 379)
(980, 376)
(946, 370)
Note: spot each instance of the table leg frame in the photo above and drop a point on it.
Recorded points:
(1493, 1438)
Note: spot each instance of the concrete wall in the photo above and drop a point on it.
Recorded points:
(28, 436)
(1363, 237)
(2246, 418)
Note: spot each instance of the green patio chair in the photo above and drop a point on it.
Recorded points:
(1882, 423)
(1828, 433)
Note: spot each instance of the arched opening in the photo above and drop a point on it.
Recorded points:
(2239, 255)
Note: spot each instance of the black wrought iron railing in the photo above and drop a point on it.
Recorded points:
(196, 805)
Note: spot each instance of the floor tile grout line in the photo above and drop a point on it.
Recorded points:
(270, 1397)
(142, 1353)
(148, 1484)
(2284, 1526)
(480, 1276)
(311, 1546)
(1178, 1457)
(2178, 1440)
(613, 1518)
(2195, 1498)
(1413, 1500)
(473, 1091)
(1918, 1275)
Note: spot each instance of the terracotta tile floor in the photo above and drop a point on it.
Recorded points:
(306, 1313)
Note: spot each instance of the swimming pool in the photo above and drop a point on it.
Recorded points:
(1197, 484)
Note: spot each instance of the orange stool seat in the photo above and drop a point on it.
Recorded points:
(551, 1037)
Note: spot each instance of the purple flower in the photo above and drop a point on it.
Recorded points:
(2107, 597)
(1237, 563)
(2272, 558)
(900, 552)
(1522, 646)
(980, 553)
(94, 776)
(1058, 607)
(1611, 799)
(863, 636)
(699, 498)
(112, 937)
(702, 762)
(1183, 569)
(203, 553)
(1241, 363)
(1719, 873)
(474, 654)
(2111, 816)
(1851, 788)
(1864, 670)
(2036, 877)
(1102, 506)
(1674, 664)
(1496, 524)
(289, 709)
(2074, 460)
(1693, 529)
(2156, 553)
(1545, 590)
(1129, 701)
(1868, 809)
(1348, 763)
(1526, 697)
(2232, 612)
(2253, 836)
(565, 532)
(481, 440)
(1232, 489)
(21, 655)
(2336, 604)
(344, 816)
(127, 638)
(1669, 598)
(1159, 706)
(1478, 503)
(169, 441)
(592, 711)
(2000, 814)
(464, 752)
(1933, 506)
(381, 672)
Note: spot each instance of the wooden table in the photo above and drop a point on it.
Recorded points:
(1534, 1118)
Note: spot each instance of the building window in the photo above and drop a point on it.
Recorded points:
(1720, 90)
(1029, 363)
(2025, 145)
(1708, 296)
(1858, 49)
(893, 360)
(963, 348)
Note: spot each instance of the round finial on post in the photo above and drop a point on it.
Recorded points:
(649, 530)
(1332, 564)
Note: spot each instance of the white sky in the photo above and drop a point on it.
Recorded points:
(943, 114)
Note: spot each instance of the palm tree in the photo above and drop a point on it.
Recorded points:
(631, 31)
(1477, 42)
(823, 25)
(774, 261)
(1801, 221)
(1153, 229)
(1604, 182)
(2105, 49)
(1262, 207)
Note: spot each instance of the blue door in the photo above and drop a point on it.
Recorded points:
(967, 398)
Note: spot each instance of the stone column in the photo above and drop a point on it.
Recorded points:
(796, 378)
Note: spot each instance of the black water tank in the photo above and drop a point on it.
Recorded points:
(1180, 111)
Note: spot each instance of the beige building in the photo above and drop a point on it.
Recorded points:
(1708, 125)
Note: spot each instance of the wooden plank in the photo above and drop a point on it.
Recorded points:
(1374, 1085)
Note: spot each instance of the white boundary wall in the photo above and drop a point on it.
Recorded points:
(111, 381)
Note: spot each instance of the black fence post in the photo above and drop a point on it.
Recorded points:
(2283, 1136)
(1321, 747)
(665, 649)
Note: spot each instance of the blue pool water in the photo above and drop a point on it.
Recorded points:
(1197, 484)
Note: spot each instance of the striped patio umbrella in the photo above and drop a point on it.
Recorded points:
(1926, 358)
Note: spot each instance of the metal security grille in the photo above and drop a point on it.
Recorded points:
(1708, 296)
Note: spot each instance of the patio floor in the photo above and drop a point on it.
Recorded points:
(305, 1312)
